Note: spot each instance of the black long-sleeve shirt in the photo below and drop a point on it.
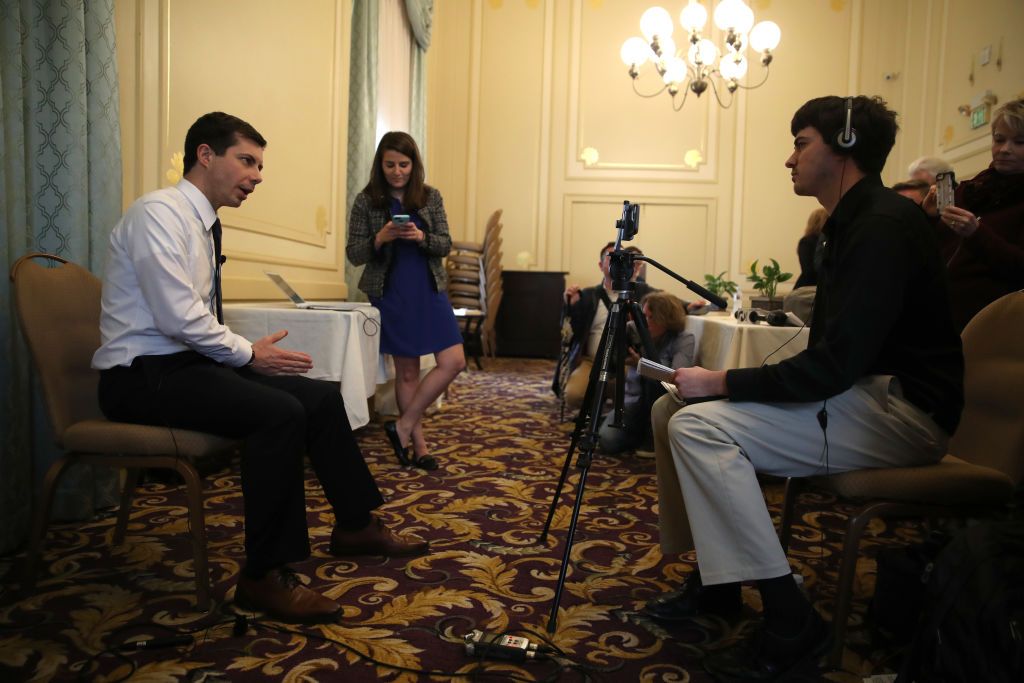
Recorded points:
(881, 308)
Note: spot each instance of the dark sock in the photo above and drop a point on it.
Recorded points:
(354, 523)
(786, 608)
(720, 593)
(254, 573)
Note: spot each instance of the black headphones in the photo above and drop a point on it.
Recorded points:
(846, 138)
(754, 315)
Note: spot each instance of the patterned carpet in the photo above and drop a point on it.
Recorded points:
(501, 449)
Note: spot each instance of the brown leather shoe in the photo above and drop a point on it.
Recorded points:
(375, 539)
(281, 595)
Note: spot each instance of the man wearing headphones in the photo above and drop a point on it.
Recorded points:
(880, 385)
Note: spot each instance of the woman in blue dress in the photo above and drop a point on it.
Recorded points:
(399, 230)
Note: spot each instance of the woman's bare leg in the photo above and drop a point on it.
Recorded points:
(450, 362)
(407, 380)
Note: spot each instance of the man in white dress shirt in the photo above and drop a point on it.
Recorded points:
(165, 359)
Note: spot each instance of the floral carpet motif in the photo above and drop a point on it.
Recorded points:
(501, 448)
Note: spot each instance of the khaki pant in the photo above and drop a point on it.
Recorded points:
(708, 456)
(576, 385)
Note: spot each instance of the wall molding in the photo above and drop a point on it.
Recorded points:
(575, 169)
(308, 243)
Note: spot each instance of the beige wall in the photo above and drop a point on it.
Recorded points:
(518, 89)
(286, 72)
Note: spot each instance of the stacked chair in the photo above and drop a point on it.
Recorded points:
(474, 283)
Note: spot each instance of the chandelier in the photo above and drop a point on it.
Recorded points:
(701, 62)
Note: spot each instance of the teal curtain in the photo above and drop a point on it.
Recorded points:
(362, 116)
(60, 192)
(420, 13)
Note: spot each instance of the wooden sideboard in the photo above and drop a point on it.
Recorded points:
(531, 309)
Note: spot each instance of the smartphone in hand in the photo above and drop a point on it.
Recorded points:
(944, 184)
(400, 219)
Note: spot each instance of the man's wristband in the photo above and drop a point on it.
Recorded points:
(252, 359)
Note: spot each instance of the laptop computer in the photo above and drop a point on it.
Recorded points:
(314, 305)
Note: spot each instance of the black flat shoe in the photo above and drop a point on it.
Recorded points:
(425, 462)
(694, 600)
(396, 443)
(766, 656)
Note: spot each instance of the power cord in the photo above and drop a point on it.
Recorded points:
(783, 345)
(544, 655)
(492, 647)
(370, 326)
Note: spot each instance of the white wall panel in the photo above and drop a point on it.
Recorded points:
(677, 233)
(286, 73)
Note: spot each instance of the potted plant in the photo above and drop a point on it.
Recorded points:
(717, 284)
(766, 281)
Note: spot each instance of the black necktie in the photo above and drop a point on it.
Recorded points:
(217, 261)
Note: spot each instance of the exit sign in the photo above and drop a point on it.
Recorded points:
(979, 116)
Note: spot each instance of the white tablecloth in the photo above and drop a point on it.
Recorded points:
(344, 345)
(723, 343)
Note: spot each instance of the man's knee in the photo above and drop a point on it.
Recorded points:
(576, 387)
(682, 425)
(661, 411)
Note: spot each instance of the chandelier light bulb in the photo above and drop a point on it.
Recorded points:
(634, 52)
(765, 36)
(667, 46)
(675, 71)
(727, 14)
(656, 21)
(744, 18)
(733, 69)
(693, 17)
(704, 52)
(739, 43)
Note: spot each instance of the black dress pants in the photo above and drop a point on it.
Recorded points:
(280, 418)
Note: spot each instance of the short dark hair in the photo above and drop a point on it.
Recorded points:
(874, 122)
(607, 247)
(377, 188)
(219, 131)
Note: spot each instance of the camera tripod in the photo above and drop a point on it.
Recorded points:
(608, 362)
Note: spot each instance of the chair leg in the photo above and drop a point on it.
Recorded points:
(42, 516)
(131, 481)
(197, 521)
(847, 572)
(794, 485)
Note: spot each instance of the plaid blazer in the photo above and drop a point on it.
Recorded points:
(366, 221)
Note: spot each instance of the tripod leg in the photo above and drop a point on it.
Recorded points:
(608, 354)
(558, 490)
(553, 618)
(583, 421)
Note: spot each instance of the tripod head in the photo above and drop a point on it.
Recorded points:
(622, 262)
(621, 265)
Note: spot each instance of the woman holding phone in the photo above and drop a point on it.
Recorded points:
(399, 230)
(982, 233)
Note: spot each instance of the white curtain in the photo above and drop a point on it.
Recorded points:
(394, 58)
(362, 116)
(420, 14)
